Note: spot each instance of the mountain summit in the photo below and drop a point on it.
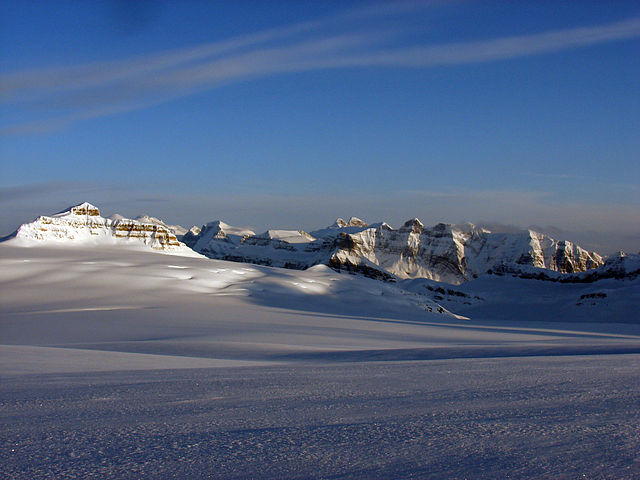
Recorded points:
(83, 223)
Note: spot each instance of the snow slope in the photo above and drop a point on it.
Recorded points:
(122, 362)
(532, 418)
(610, 293)
(122, 298)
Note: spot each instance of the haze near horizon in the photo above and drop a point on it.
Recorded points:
(289, 116)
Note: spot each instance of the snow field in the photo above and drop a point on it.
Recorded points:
(521, 418)
(123, 363)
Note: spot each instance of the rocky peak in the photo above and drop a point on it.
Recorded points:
(621, 263)
(356, 222)
(149, 219)
(216, 239)
(469, 229)
(220, 230)
(353, 222)
(288, 236)
(82, 209)
(570, 258)
(440, 230)
(414, 226)
(339, 223)
(217, 224)
(215, 229)
(83, 223)
(191, 237)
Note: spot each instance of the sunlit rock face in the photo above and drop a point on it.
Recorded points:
(452, 253)
(620, 266)
(444, 252)
(84, 209)
(570, 258)
(156, 236)
(353, 222)
(80, 222)
(83, 223)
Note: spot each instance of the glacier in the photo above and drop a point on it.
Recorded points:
(123, 355)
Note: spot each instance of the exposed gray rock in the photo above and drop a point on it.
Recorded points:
(444, 252)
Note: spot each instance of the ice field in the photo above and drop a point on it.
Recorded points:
(127, 363)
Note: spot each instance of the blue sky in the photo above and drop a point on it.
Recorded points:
(289, 114)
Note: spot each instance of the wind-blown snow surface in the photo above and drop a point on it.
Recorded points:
(123, 362)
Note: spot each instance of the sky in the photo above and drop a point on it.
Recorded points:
(290, 114)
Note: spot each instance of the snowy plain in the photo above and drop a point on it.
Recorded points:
(121, 362)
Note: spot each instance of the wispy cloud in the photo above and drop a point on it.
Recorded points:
(501, 48)
(54, 98)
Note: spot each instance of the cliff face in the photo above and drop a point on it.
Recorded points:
(153, 235)
(454, 254)
(619, 267)
(83, 223)
(448, 253)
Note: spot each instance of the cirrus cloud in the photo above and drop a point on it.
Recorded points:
(54, 98)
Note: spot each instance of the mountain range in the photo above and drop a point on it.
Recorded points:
(444, 252)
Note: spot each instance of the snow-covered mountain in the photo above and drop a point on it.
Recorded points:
(83, 224)
(177, 230)
(456, 253)
(620, 267)
(215, 239)
(609, 293)
(444, 252)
